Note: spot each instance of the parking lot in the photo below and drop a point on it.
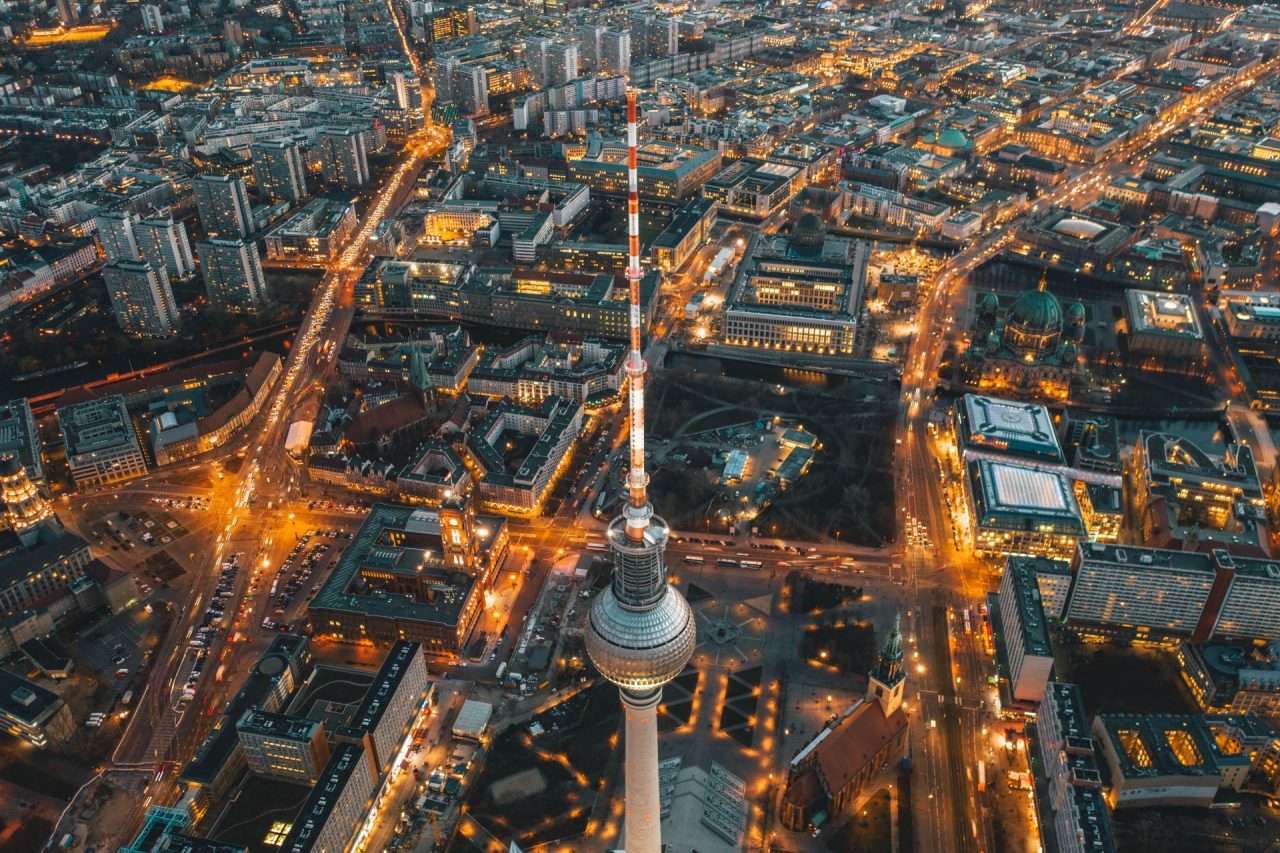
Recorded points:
(298, 578)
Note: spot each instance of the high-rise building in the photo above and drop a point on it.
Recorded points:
(615, 52)
(442, 69)
(590, 40)
(278, 169)
(116, 233)
(661, 37)
(342, 156)
(450, 23)
(562, 63)
(223, 203)
(152, 18)
(471, 89)
(141, 298)
(535, 57)
(163, 242)
(68, 12)
(1023, 647)
(641, 632)
(291, 748)
(233, 275)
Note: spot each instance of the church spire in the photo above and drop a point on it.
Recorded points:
(885, 682)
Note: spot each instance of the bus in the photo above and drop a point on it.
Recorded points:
(127, 697)
(597, 546)
(968, 624)
(727, 563)
(692, 559)
(275, 584)
(502, 670)
(751, 564)
(982, 776)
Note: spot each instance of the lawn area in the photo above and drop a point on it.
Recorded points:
(1124, 679)
(847, 493)
(868, 831)
(568, 764)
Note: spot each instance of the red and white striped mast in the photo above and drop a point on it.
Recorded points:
(638, 511)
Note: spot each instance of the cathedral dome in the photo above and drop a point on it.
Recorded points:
(1037, 311)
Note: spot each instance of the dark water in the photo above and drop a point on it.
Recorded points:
(766, 373)
(102, 368)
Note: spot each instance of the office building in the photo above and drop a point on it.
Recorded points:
(534, 300)
(19, 437)
(753, 188)
(665, 170)
(337, 806)
(278, 169)
(313, 234)
(550, 430)
(1186, 497)
(1163, 760)
(412, 574)
(141, 298)
(1233, 678)
(800, 293)
(1152, 593)
(1252, 315)
(1022, 634)
(290, 748)
(1016, 509)
(223, 204)
(116, 234)
(470, 86)
(233, 276)
(343, 160)
(219, 760)
(536, 368)
(1163, 324)
(102, 444)
(68, 12)
(163, 242)
(388, 713)
(30, 712)
(615, 52)
(443, 24)
(1068, 793)
(152, 18)
(992, 428)
(562, 63)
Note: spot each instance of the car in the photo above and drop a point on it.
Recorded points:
(120, 659)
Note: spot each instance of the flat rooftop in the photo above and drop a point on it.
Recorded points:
(1005, 426)
(397, 539)
(1008, 489)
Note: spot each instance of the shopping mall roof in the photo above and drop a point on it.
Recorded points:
(1008, 427)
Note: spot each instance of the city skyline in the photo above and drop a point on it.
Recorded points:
(670, 427)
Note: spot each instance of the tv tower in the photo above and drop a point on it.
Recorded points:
(641, 631)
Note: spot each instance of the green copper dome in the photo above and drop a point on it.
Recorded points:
(1037, 311)
(953, 139)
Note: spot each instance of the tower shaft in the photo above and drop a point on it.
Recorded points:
(642, 832)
